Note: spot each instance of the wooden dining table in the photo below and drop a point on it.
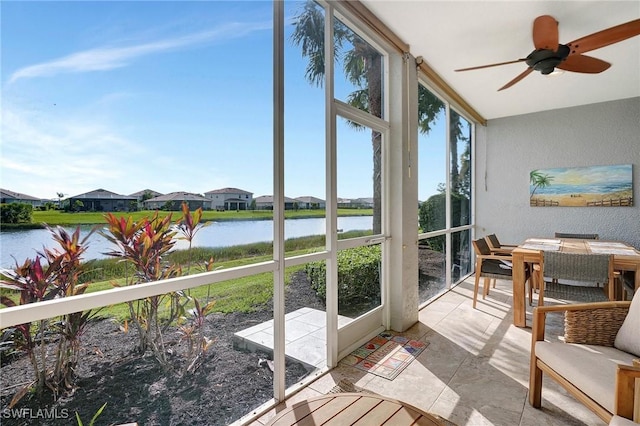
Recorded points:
(348, 409)
(625, 258)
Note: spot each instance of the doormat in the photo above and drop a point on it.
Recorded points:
(386, 355)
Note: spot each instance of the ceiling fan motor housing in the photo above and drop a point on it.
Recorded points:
(545, 60)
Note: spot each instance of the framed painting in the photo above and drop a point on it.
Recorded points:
(593, 186)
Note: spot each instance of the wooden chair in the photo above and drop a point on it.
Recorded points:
(498, 248)
(492, 266)
(581, 267)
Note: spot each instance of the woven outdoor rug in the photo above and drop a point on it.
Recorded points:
(345, 386)
(574, 293)
(386, 355)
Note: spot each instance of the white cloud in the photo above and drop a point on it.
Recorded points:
(44, 154)
(110, 57)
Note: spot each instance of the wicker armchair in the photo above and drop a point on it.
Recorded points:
(586, 364)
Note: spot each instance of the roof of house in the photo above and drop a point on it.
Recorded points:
(365, 200)
(269, 199)
(229, 191)
(144, 191)
(178, 196)
(309, 199)
(102, 194)
(5, 193)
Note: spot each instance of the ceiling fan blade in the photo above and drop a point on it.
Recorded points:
(545, 32)
(517, 79)
(584, 64)
(605, 37)
(492, 65)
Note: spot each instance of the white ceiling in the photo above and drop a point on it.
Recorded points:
(459, 34)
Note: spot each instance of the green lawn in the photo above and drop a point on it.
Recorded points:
(56, 217)
(237, 295)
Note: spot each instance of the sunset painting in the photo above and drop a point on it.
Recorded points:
(594, 186)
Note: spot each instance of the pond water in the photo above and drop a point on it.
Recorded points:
(22, 244)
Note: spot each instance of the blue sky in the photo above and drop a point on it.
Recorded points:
(171, 96)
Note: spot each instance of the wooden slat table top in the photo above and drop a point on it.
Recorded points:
(530, 252)
(349, 409)
(622, 262)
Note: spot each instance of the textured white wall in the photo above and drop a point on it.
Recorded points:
(509, 148)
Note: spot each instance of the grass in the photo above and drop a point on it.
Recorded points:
(238, 295)
(57, 217)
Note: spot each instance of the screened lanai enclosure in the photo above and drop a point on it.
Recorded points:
(288, 98)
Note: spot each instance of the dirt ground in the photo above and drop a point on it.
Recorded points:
(229, 384)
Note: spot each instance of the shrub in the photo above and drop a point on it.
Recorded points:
(358, 276)
(16, 213)
(432, 215)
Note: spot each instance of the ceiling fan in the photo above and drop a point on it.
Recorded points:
(549, 54)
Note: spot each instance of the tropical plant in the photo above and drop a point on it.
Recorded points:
(144, 244)
(34, 283)
(59, 277)
(188, 226)
(539, 180)
(190, 331)
(60, 197)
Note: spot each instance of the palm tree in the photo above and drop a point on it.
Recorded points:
(362, 65)
(538, 180)
(60, 196)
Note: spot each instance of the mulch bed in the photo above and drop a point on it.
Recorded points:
(229, 384)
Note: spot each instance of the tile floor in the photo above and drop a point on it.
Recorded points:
(475, 370)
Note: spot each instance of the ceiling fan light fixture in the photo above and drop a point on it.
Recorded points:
(546, 60)
(555, 73)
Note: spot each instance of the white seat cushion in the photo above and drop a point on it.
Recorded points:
(590, 368)
(628, 337)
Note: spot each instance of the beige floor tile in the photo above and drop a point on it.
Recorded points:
(475, 370)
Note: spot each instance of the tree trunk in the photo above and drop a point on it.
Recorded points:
(374, 79)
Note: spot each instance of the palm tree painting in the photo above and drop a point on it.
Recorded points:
(593, 186)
